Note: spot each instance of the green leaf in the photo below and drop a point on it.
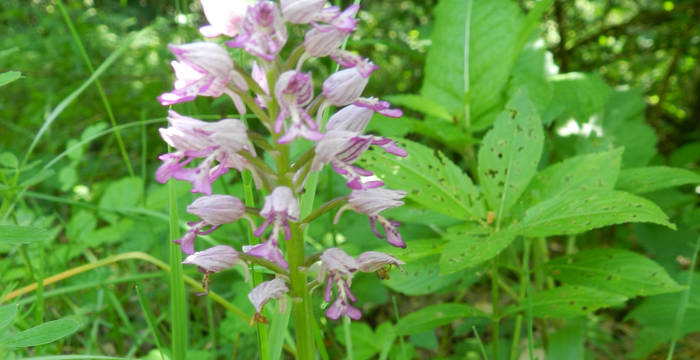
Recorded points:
(579, 211)
(42, 334)
(364, 342)
(8, 160)
(433, 316)
(422, 276)
(421, 104)
(624, 124)
(444, 132)
(686, 156)
(613, 270)
(121, 194)
(567, 342)
(648, 179)
(580, 173)
(9, 76)
(509, 154)
(7, 315)
(432, 181)
(494, 29)
(568, 301)
(529, 72)
(658, 313)
(13, 235)
(578, 96)
(466, 252)
(415, 249)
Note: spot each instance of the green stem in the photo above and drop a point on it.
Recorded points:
(680, 314)
(496, 310)
(328, 206)
(100, 90)
(177, 289)
(302, 309)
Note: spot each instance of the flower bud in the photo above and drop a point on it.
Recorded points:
(344, 87)
(217, 209)
(301, 11)
(322, 40)
(224, 17)
(350, 118)
(214, 259)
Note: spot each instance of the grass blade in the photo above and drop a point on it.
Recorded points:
(680, 315)
(150, 319)
(177, 285)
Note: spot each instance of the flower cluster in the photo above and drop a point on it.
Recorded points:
(281, 96)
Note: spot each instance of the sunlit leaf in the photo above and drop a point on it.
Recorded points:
(433, 316)
(648, 179)
(42, 334)
(580, 211)
(14, 235)
(569, 301)
(613, 270)
(466, 252)
(430, 180)
(509, 154)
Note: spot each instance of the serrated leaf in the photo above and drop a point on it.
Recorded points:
(579, 211)
(613, 270)
(421, 104)
(7, 315)
(568, 301)
(494, 29)
(433, 316)
(648, 179)
(432, 181)
(9, 76)
(14, 235)
(509, 154)
(415, 249)
(470, 251)
(42, 334)
(579, 173)
(422, 276)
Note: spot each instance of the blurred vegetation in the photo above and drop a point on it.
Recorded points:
(648, 45)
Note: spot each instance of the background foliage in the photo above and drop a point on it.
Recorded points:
(614, 74)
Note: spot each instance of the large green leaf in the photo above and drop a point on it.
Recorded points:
(7, 315)
(364, 344)
(579, 211)
(568, 301)
(433, 316)
(430, 180)
(445, 132)
(14, 235)
(494, 29)
(509, 154)
(658, 313)
(579, 173)
(41, 334)
(422, 276)
(648, 179)
(613, 270)
(469, 251)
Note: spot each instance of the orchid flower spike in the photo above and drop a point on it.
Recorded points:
(214, 211)
(280, 207)
(263, 293)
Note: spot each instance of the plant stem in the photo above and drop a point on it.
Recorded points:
(496, 310)
(302, 309)
(680, 314)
